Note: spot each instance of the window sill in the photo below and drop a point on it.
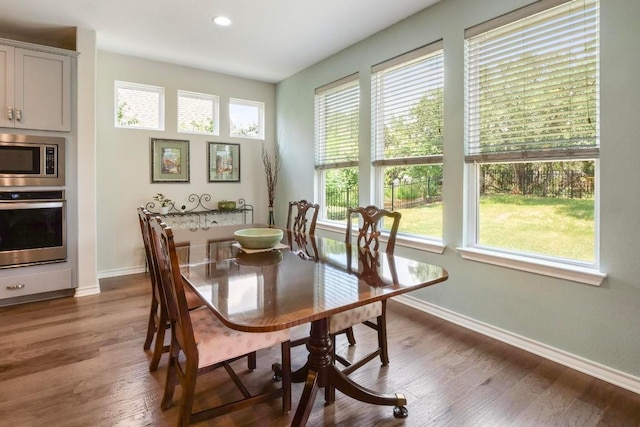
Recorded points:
(574, 273)
(401, 240)
(420, 244)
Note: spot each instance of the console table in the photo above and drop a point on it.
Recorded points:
(197, 213)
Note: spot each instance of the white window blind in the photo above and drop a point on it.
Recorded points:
(337, 123)
(407, 108)
(532, 83)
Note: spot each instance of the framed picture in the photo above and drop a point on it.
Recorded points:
(224, 162)
(169, 160)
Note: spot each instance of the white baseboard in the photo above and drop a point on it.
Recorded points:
(89, 290)
(120, 272)
(562, 357)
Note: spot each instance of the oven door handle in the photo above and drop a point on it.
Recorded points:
(8, 205)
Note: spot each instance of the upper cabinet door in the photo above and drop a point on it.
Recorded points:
(6, 86)
(42, 90)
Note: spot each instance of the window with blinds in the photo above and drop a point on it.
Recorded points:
(337, 117)
(532, 142)
(337, 123)
(532, 83)
(407, 108)
(407, 127)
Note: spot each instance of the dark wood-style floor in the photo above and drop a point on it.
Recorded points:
(79, 362)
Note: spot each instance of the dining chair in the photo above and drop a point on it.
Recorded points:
(201, 343)
(158, 319)
(301, 226)
(298, 217)
(370, 220)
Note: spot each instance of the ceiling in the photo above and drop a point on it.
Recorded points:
(267, 40)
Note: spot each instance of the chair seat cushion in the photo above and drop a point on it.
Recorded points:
(348, 318)
(217, 342)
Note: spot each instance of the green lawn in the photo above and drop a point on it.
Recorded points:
(558, 227)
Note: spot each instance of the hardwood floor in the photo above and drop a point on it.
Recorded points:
(79, 362)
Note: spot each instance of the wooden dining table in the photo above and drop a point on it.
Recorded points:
(305, 280)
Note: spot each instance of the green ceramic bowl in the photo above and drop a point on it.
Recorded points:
(258, 238)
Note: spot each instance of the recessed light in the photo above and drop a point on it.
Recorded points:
(223, 21)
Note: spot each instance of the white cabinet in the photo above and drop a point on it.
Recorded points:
(29, 284)
(35, 89)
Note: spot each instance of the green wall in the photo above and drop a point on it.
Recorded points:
(600, 324)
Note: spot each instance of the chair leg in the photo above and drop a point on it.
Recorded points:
(151, 327)
(188, 394)
(350, 336)
(159, 347)
(382, 341)
(382, 335)
(170, 382)
(252, 361)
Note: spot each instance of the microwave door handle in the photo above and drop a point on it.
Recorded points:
(10, 114)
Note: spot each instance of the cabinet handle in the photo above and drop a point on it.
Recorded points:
(19, 115)
(15, 287)
(10, 113)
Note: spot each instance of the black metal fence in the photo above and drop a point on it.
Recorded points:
(550, 183)
(407, 193)
(399, 195)
(337, 201)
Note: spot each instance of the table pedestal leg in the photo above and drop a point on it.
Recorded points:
(320, 371)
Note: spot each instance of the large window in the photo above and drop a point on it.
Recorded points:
(336, 146)
(198, 113)
(246, 119)
(407, 125)
(139, 106)
(532, 141)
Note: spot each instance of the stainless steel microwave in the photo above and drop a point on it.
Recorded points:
(30, 160)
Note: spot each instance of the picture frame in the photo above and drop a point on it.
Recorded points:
(169, 160)
(223, 162)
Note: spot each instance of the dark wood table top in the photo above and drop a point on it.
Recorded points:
(282, 288)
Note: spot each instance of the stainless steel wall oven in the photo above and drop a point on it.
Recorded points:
(32, 227)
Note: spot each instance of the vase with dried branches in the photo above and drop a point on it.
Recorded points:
(271, 169)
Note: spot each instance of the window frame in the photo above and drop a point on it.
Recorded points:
(215, 111)
(569, 269)
(425, 55)
(160, 91)
(261, 119)
(345, 84)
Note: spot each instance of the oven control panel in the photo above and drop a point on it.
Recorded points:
(31, 195)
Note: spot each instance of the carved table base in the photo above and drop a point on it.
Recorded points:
(320, 372)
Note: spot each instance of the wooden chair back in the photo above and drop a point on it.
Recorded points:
(302, 214)
(157, 323)
(164, 249)
(369, 222)
(145, 227)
